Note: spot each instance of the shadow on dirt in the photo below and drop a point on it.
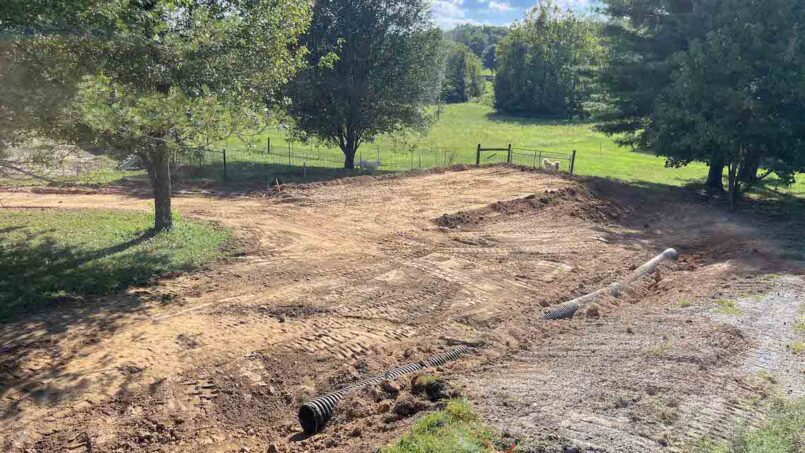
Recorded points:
(46, 289)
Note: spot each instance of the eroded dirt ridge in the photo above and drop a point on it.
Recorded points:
(345, 279)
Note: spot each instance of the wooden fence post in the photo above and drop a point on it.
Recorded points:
(225, 176)
(509, 158)
(572, 161)
(478, 156)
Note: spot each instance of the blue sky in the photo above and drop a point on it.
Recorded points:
(449, 13)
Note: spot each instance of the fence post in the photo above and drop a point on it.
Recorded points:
(268, 145)
(289, 157)
(478, 156)
(225, 176)
(509, 158)
(534, 165)
(572, 161)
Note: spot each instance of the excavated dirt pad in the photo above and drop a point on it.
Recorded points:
(341, 280)
(675, 369)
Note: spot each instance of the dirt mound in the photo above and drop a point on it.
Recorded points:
(574, 201)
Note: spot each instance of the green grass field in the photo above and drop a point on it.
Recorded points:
(461, 127)
(453, 139)
(65, 254)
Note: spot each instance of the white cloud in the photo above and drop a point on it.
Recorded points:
(448, 13)
(575, 4)
(499, 6)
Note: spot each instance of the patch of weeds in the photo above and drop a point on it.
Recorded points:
(668, 416)
(728, 307)
(686, 303)
(431, 386)
(797, 347)
(782, 433)
(453, 429)
(659, 349)
(799, 326)
(767, 377)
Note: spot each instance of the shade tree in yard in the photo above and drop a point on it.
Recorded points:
(716, 81)
(374, 67)
(147, 77)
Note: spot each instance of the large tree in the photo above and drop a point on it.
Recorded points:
(462, 76)
(147, 77)
(374, 66)
(546, 64)
(479, 39)
(738, 94)
(643, 37)
(717, 81)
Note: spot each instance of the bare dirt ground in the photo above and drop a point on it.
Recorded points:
(344, 279)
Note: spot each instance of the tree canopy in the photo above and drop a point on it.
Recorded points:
(462, 76)
(374, 66)
(147, 77)
(718, 81)
(547, 63)
(480, 39)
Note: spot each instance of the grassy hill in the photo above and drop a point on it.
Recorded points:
(461, 127)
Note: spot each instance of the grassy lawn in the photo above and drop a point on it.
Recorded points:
(461, 127)
(48, 256)
(454, 429)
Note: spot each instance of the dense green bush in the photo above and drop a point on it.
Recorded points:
(463, 78)
(547, 64)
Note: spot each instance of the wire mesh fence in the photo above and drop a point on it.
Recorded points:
(316, 163)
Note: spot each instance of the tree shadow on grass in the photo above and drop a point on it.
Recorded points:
(38, 274)
(525, 120)
(244, 177)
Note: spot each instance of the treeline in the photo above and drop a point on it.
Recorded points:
(716, 81)
(482, 40)
(548, 63)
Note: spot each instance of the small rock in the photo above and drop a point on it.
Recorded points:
(272, 449)
(390, 387)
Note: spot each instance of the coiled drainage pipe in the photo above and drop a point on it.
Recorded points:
(568, 309)
(314, 414)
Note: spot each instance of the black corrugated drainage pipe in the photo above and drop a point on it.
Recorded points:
(568, 309)
(314, 414)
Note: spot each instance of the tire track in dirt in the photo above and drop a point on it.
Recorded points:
(342, 280)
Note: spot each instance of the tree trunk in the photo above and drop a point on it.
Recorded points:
(158, 163)
(733, 183)
(716, 173)
(349, 149)
(749, 168)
